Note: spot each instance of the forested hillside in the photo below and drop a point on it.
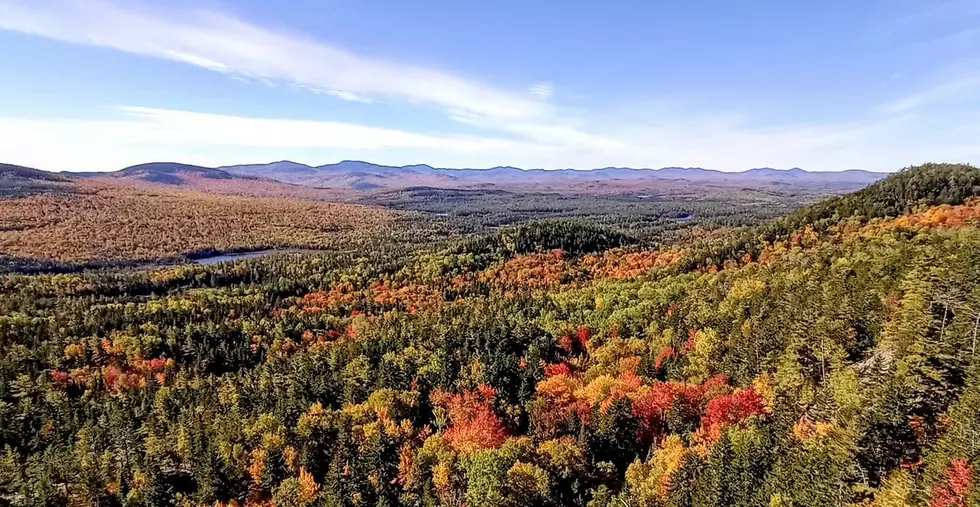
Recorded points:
(96, 221)
(826, 358)
(20, 181)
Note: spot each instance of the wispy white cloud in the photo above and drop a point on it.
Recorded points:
(343, 95)
(525, 128)
(141, 134)
(954, 91)
(956, 84)
(173, 127)
(225, 44)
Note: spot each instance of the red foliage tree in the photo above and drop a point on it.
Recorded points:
(663, 355)
(651, 405)
(474, 424)
(565, 343)
(689, 345)
(60, 377)
(583, 335)
(730, 410)
(954, 490)
(555, 370)
(651, 408)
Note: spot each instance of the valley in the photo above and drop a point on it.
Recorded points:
(167, 211)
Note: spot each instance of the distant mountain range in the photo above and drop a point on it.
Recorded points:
(365, 176)
(167, 173)
(352, 178)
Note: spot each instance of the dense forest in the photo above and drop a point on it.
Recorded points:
(97, 221)
(824, 358)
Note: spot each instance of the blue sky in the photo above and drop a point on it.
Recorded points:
(829, 85)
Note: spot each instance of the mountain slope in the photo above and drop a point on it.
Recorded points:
(213, 181)
(281, 167)
(898, 194)
(17, 180)
(171, 173)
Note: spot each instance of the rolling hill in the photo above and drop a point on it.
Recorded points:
(211, 180)
(17, 180)
(174, 173)
(108, 221)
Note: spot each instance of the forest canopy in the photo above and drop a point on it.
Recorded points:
(824, 358)
(103, 222)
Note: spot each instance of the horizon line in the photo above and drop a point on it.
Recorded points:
(567, 169)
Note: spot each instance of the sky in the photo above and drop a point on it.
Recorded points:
(98, 85)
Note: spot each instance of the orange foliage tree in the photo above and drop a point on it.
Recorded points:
(474, 424)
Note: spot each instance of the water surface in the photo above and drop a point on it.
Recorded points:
(229, 257)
